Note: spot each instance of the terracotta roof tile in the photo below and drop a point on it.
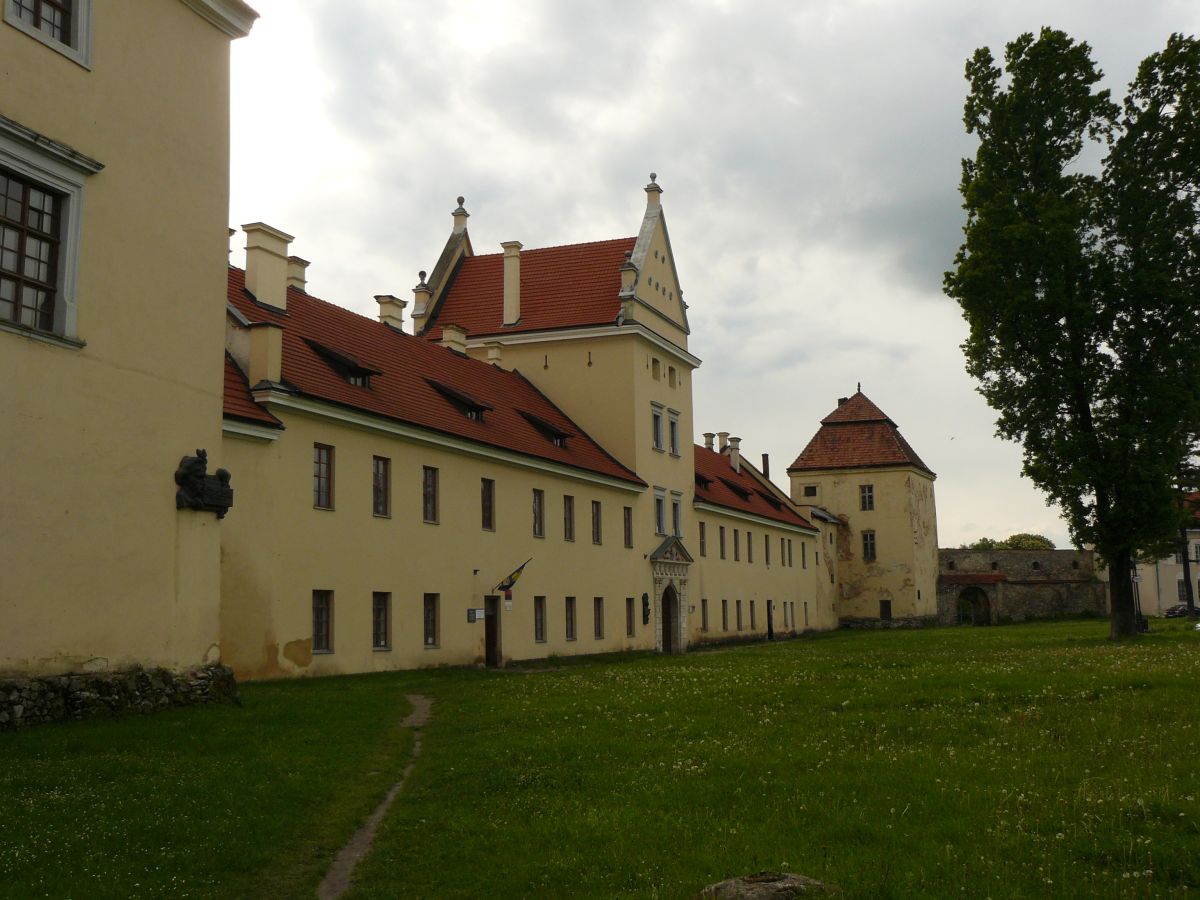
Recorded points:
(857, 435)
(561, 287)
(716, 482)
(239, 404)
(404, 390)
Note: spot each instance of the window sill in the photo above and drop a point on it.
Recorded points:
(675, 453)
(323, 508)
(433, 647)
(381, 649)
(382, 515)
(43, 336)
(80, 56)
(485, 528)
(658, 449)
(322, 653)
(431, 522)
(539, 641)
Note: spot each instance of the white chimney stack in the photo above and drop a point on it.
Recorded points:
(391, 310)
(296, 270)
(494, 352)
(512, 282)
(708, 440)
(724, 442)
(735, 453)
(454, 337)
(267, 264)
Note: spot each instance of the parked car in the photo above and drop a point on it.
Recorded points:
(1178, 611)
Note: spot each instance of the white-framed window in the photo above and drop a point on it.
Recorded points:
(62, 25)
(41, 224)
(656, 427)
(866, 496)
(676, 513)
(673, 432)
(660, 512)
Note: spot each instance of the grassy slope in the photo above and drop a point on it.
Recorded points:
(205, 802)
(1008, 762)
(1032, 760)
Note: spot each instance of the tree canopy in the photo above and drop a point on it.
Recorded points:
(1022, 540)
(1080, 283)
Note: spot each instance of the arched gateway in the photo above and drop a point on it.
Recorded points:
(669, 566)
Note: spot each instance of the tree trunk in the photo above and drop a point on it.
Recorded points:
(1122, 614)
(1189, 595)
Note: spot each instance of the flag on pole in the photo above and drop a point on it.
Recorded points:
(507, 584)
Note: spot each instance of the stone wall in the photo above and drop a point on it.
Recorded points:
(55, 698)
(997, 586)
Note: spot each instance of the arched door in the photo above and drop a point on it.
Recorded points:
(670, 620)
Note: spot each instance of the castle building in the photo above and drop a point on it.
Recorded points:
(508, 474)
(859, 469)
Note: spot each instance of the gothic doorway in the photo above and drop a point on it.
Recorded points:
(670, 620)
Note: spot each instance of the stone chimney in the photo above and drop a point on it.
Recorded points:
(842, 400)
(708, 440)
(460, 218)
(724, 441)
(512, 282)
(391, 310)
(422, 294)
(454, 337)
(296, 272)
(766, 466)
(653, 191)
(267, 264)
(735, 453)
(266, 353)
(493, 352)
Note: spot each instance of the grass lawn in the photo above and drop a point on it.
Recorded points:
(1032, 760)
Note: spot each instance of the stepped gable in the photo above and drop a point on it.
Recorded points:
(418, 383)
(716, 480)
(857, 435)
(561, 287)
(238, 401)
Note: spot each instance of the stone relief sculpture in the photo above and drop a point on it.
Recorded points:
(199, 490)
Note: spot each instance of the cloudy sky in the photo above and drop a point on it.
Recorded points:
(809, 152)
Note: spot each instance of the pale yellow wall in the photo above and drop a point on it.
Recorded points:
(282, 549)
(905, 524)
(1158, 589)
(749, 580)
(658, 288)
(96, 562)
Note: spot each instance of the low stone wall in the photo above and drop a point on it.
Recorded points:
(55, 698)
(898, 622)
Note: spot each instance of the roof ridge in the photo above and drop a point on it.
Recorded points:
(525, 251)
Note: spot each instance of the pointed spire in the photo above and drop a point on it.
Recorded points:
(653, 191)
(460, 217)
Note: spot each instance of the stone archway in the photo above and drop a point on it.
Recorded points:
(974, 607)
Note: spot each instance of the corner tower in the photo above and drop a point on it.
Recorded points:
(859, 468)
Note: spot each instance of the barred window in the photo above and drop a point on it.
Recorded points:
(381, 485)
(429, 494)
(381, 620)
(322, 476)
(29, 243)
(322, 621)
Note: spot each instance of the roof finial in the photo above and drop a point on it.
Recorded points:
(460, 216)
(860, 387)
(421, 275)
(653, 177)
(653, 189)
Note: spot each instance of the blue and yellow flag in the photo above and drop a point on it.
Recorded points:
(507, 583)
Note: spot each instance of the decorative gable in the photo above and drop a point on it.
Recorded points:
(650, 292)
(671, 550)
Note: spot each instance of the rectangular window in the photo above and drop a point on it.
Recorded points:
(657, 429)
(868, 542)
(429, 494)
(660, 514)
(810, 490)
(721, 539)
(753, 617)
(381, 620)
(627, 517)
(673, 433)
(539, 512)
(704, 614)
(539, 619)
(381, 486)
(63, 25)
(322, 622)
(1181, 590)
(487, 504)
(739, 615)
(866, 496)
(322, 476)
(737, 545)
(630, 612)
(569, 618)
(783, 561)
(803, 554)
(568, 517)
(597, 530)
(724, 615)
(703, 541)
(598, 618)
(805, 615)
(29, 239)
(749, 547)
(767, 549)
(431, 618)
(676, 517)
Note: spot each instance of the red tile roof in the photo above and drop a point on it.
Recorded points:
(239, 404)
(716, 482)
(410, 373)
(561, 287)
(857, 435)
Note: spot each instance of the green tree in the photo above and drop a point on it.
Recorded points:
(1023, 540)
(1080, 286)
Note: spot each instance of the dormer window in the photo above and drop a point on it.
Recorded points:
(464, 403)
(549, 430)
(736, 488)
(345, 365)
(771, 500)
